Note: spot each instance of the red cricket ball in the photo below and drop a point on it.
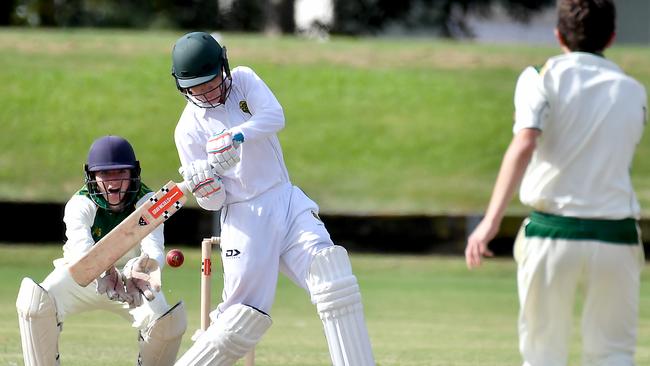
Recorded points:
(175, 258)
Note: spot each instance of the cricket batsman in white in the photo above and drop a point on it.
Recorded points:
(112, 191)
(578, 120)
(227, 138)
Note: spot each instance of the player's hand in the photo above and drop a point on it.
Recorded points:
(111, 283)
(477, 243)
(200, 178)
(142, 278)
(223, 150)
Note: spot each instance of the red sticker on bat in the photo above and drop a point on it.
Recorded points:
(166, 201)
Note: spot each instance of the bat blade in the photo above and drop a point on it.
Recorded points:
(145, 219)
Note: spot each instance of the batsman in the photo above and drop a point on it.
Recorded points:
(112, 190)
(227, 137)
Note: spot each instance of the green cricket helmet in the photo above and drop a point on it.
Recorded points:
(112, 153)
(197, 58)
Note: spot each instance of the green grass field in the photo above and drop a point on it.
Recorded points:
(420, 310)
(373, 125)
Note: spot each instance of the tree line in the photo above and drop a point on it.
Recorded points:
(446, 18)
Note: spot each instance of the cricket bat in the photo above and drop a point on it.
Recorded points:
(145, 219)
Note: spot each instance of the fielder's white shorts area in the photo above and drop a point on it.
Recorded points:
(70, 299)
(557, 254)
(277, 231)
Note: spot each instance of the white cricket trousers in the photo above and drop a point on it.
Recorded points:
(278, 231)
(70, 299)
(550, 269)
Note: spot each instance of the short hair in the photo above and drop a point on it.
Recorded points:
(586, 25)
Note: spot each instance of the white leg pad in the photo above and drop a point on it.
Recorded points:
(160, 342)
(235, 332)
(39, 328)
(335, 292)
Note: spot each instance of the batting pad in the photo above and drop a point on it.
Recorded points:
(235, 332)
(335, 292)
(39, 329)
(159, 344)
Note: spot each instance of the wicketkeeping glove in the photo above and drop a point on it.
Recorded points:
(223, 150)
(200, 178)
(111, 283)
(141, 278)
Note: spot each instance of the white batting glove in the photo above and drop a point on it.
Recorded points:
(200, 178)
(141, 278)
(111, 283)
(223, 150)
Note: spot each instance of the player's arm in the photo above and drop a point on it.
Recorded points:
(201, 180)
(531, 114)
(142, 274)
(79, 214)
(267, 116)
(512, 170)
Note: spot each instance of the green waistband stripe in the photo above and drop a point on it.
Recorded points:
(572, 228)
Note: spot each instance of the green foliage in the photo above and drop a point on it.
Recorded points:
(446, 18)
(420, 310)
(373, 125)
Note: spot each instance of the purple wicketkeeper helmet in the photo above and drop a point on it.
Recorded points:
(112, 153)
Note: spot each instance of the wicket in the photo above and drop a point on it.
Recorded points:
(206, 288)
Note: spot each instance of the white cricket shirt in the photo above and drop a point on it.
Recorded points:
(253, 110)
(591, 116)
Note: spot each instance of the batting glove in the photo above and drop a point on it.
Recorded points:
(223, 150)
(141, 278)
(111, 283)
(200, 178)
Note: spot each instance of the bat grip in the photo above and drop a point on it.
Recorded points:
(183, 187)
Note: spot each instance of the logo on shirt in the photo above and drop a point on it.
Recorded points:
(232, 253)
(97, 232)
(244, 107)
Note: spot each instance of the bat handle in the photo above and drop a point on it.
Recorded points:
(183, 187)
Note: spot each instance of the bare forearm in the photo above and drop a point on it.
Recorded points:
(511, 173)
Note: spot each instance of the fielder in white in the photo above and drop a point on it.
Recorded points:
(578, 120)
(112, 191)
(226, 137)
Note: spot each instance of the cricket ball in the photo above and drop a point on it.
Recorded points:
(175, 258)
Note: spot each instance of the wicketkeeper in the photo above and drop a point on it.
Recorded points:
(227, 137)
(578, 120)
(112, 191)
